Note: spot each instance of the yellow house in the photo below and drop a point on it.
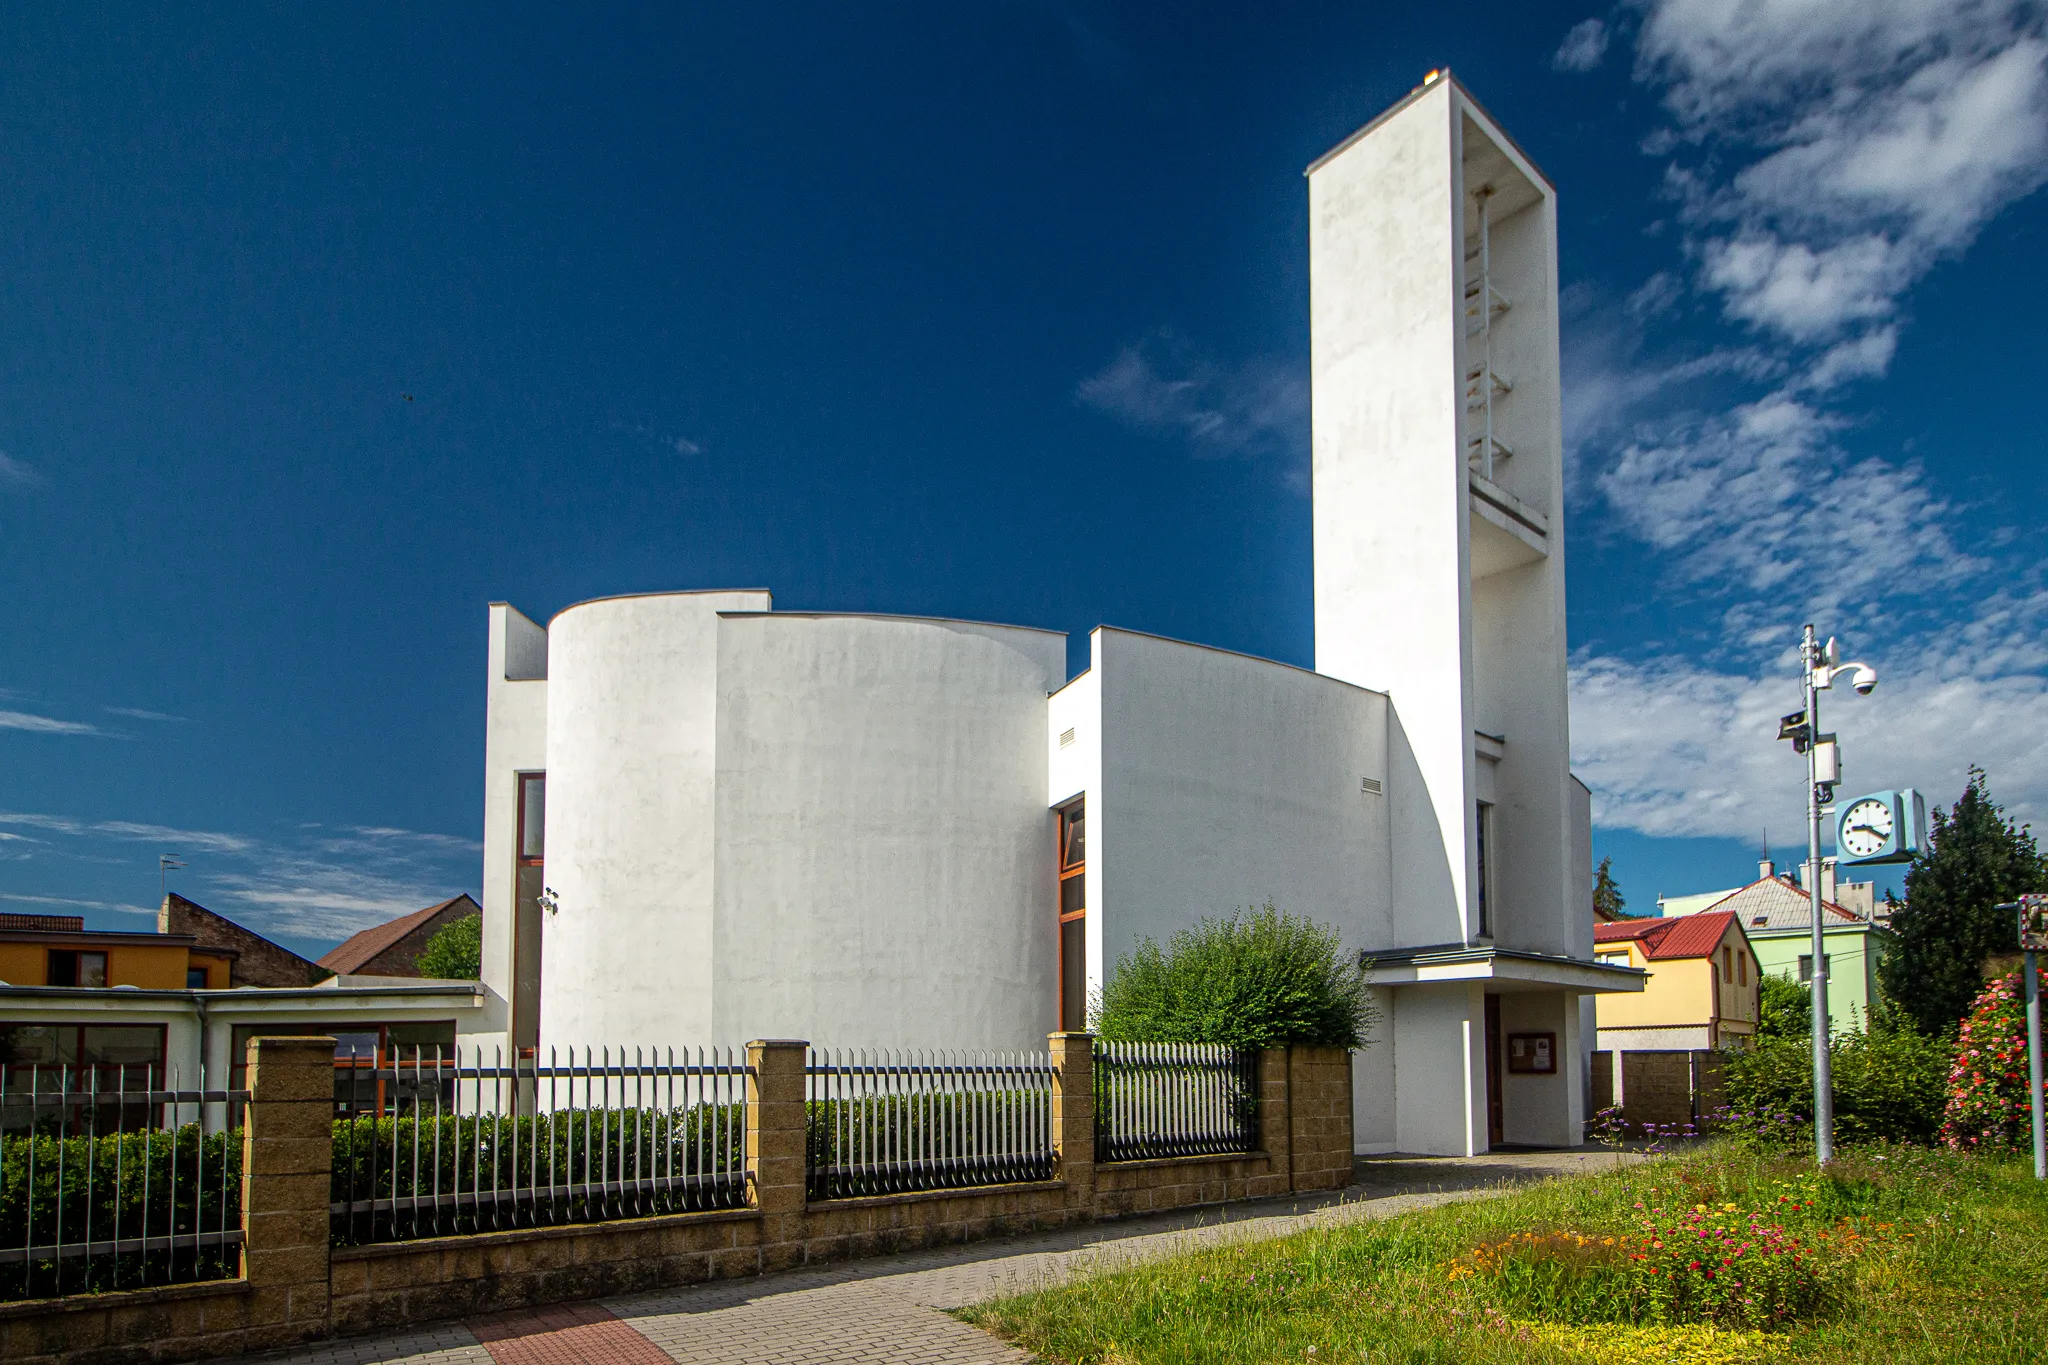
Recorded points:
(1703, 988)
(58, 950)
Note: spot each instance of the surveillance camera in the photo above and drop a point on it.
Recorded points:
(1864, 681)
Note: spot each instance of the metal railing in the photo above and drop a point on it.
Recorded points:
(1174, 1099)
(886, 1123)
(109, 1180)
(468, 1145)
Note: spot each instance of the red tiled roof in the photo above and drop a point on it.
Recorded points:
(362, 947)
(1681, 936)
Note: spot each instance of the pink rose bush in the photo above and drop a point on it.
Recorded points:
(1987, 1082)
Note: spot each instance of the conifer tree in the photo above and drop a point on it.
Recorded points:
(1607, 897)
(1976, 858)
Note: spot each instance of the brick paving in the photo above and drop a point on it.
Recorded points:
(892, 1308)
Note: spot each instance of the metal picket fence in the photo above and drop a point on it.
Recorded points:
(427, 1147)
(888, 1122)
(110, 1180)
(1174, 1099)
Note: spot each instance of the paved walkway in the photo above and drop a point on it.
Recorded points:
(891, 1308)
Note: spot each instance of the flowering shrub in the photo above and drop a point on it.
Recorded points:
(1610, 1128)
(1764, 1125)
(1726, 1266)
(1987, 1083)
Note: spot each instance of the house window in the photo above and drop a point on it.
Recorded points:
(529, 882)
(195, 978)
(1073, 917)
(1742, 969)
(1482, 891)
(1614, 959)
(76, 967)
(1806, 966)
(1727, 965)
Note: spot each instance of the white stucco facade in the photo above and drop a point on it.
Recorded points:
(854, 829)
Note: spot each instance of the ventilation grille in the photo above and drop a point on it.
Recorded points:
(1369, 785)
(1066, 738)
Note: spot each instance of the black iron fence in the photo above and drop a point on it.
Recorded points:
(109, 1180)
(889, 1122)
(1174, 1099)
(468, 1144)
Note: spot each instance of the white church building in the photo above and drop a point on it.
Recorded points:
(708, 820)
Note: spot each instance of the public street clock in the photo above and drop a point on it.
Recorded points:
(1867, 826)
(1883, 827)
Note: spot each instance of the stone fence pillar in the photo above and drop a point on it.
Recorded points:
(776, 1150)
(1073, 1116)
(287, 1178)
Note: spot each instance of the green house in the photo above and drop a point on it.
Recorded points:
(1777, 915)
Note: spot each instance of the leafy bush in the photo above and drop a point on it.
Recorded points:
(118, 1185)
(455, 952)
(1888, 1083)
(1987, 1081)
(1254, 979)
(1787, 1008)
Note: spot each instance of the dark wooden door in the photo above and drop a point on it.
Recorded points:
(1495, 1134)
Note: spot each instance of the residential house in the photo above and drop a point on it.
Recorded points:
(81, 1007)
(1777, 914)
(1655, 1049)
(391, 948)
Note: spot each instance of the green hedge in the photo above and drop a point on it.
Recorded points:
(1888, 1084)
(167, 1182)
(376, 1159)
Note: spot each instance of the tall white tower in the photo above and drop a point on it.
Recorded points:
(1439, 529)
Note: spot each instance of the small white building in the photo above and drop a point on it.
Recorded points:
(708, 821)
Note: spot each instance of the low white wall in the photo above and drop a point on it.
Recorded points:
(1226, 780)
(885, 861)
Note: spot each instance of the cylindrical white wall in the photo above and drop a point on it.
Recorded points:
(781, 825)
(885, 854)
(626, 960)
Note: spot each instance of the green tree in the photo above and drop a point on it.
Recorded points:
(1950, 922)
(1787, 1008)
(1253, 979)
(456, 952)
(1607, 897)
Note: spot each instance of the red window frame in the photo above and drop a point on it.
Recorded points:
(1070, 857)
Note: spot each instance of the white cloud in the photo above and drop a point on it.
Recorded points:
(1869, 140)
(1826, 156)
(1258, 408)
(117, 907)
(1583, 46)
(137, 713)
(324, 885)
(1670, 749)
(45, 725)
(15, 472)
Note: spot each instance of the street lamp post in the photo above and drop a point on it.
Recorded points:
(1820, 665)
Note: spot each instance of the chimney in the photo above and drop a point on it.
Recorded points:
(1766, 869)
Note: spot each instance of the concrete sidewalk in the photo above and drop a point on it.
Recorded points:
(892, 1308)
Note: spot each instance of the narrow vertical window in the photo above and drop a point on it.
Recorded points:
(1073, 917)
(530, 882)
(1482, 890)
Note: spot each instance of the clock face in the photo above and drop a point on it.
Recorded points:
(1866, 828)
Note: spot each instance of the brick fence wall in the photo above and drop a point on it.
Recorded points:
(295, 1289)
(1664, 1088)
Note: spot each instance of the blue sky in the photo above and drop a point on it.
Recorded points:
(320, 331)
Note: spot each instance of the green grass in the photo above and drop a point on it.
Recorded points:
(1914, 1256)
